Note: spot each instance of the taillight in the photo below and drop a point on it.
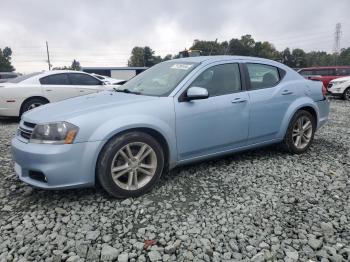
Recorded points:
(324, 91)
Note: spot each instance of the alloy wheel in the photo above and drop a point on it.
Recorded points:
(302, 132)
(347, 94)
(134, 165)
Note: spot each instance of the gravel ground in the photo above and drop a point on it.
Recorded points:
(253, 206)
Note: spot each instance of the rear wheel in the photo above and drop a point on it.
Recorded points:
(32, 103)
(300, 132)
(346, 94)
(130, 165)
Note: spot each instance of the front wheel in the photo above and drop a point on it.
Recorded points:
(346, 94)
(130, 165)
(300, 132)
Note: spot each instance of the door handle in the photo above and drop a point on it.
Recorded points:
(81, 91)
(48, 90)
(286, 92)
(238, 100)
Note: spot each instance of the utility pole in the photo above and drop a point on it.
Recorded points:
(48, 55)
(337, 35)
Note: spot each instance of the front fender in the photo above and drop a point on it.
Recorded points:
(292, 109)
(123, 123)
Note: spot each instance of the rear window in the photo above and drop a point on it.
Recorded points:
(22, 78)
(262, 76)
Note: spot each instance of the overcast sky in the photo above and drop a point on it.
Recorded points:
(102, 33)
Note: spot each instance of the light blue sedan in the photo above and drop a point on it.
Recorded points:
(176, 112)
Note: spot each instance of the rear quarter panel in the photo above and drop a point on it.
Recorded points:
(19, 93)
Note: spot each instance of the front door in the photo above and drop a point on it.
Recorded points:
(218, 123)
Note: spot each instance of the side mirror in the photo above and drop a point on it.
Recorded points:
(194, 93)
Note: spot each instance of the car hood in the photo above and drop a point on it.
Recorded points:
(346, 78)
(70, 108)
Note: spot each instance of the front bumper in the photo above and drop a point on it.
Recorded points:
(64, 166)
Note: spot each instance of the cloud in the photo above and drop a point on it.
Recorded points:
(102, 33)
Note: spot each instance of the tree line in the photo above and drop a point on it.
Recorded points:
(247, 46)
(244, 46)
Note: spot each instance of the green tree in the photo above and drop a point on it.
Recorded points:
(167, 57)
(5, 60)
(75, 65)
(209, 47)
(144, 56)
(344, 56)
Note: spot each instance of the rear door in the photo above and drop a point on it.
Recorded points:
(270, 98)
(57, 87)
(85, 84)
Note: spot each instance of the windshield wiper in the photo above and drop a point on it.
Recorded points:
(126, 91)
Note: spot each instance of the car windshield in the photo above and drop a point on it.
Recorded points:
(159, 80)
(22, 78)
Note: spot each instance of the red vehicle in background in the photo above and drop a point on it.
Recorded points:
(325, 73)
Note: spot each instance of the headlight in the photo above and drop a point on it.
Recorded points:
(54, 133)
(338, 82)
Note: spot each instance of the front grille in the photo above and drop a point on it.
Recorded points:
(25, 133)
(25, 129)
(31, 125)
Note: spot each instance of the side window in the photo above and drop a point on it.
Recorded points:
(343, 72)
(58, 79)
(82, 79)
(325, 72)
(262, 76)
(306, 72)
(220, 80)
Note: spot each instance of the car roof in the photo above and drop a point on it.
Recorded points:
(219, 58)
(199, 59)
(52, 72)
(323, 67)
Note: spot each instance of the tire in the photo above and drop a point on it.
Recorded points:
(31, 104)
(346, 94)
(306, 136)
(115, 155)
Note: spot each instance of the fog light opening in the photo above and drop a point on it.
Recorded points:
(37, 175)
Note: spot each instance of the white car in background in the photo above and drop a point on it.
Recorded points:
(26, 92)
(340, 87)
(109, 80)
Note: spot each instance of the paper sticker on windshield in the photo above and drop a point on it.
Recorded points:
(181, 66)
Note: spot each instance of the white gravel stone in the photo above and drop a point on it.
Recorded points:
(123, 257)
(92, 235)
(154, 255)
(109, 253)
